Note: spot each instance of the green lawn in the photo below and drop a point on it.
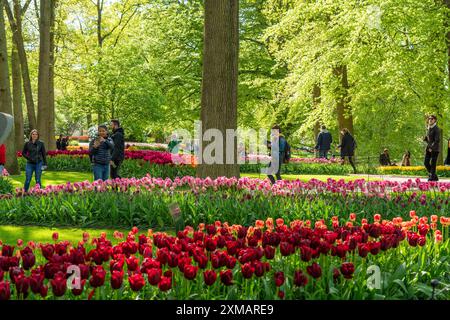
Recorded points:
(61, 177)
(10, 234)
(53, 177)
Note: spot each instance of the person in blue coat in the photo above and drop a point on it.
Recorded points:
(324, 141)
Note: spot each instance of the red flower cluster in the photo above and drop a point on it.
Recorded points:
(208, 254)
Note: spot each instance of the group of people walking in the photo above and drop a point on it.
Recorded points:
(106, 153)
(347, 146)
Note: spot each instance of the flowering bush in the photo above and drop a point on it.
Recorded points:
(268, 260)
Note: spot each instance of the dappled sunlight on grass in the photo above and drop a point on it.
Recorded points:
(10, 234)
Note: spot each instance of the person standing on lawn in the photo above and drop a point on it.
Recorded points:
(34, 152)
(324, 141)
(100, 151)
(118, 154)
(2, 158)
(347, 146)
(433, 140)
(283, 152)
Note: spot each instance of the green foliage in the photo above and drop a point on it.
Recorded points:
(6, 186)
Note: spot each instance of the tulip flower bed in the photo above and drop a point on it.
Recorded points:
(221, 261)
(139, 163)
(147, 201)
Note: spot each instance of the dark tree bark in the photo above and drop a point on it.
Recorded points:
(17, 98)
(220, 80)
(5, 96)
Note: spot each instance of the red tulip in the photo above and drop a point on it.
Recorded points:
(5, 290)
(210, 277)
(132, 263)
(154, 276)
(226, 277)
(98, 277)
(28, 260)
(44, 291)
(300, 280)
(7, 251)
(269, 252)
(314, 270)
(279, 278)
(22, 284)
(281, 294)
(190, 272)
(336, 274)
(36, 281)
(165, 284)
(137, 282)
(247, 270)
(55, 236)
(78, 292)
(59, 284)
(116, 279)
(347, 270)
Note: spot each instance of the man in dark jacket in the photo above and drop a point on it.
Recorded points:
(324, 140)
(118, 154)
(433, 139)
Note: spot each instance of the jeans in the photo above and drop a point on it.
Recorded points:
(115, 171)
(1, 170)
(323, 154)
(431, 162)
(101, 171)
(29, 169)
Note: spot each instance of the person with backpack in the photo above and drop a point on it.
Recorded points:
(324, 141)
(347, 146)
(284, 152)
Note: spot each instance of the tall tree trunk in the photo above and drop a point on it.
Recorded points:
(51, 94)
(219, 83)
(5, 96)
(44, 113)
(316, 101)
(343, 108)
(15, 21)
(17, 98)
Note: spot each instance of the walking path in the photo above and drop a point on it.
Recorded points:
(395, 178)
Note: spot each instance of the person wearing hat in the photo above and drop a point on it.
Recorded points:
(432, 139)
